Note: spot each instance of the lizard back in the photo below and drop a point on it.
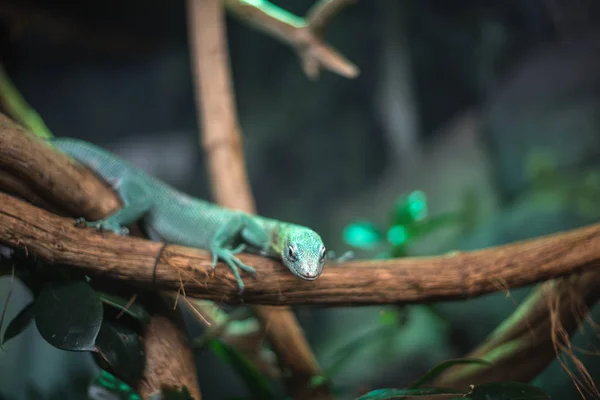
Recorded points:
(175, 217)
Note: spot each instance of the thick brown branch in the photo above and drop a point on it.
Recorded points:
(169, 361)
(50, 174)
(229, 181)
(34, 171)
(303, 34)
(405, 280)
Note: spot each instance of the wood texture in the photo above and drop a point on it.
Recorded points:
(405, 280)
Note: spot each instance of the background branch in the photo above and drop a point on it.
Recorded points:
(305, 35)
(221, 140)
(524, 344)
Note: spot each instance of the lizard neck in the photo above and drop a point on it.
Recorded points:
(277, 232)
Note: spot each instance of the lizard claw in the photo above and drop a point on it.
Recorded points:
(228, 257)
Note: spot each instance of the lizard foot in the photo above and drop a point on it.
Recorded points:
(104, 225)
(229, 258)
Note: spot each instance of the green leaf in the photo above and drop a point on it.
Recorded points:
(317, 381)
(398, 235)
(507, 391)
(18, 323)
(122, 350)
(384, 394)
(135, 310)
(443, 366)
(432, 224)
(363, 235)
(69, 315)
(107, 386)
(390, 317)
(259, 386)
(409, 208)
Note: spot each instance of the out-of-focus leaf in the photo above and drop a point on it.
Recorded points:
(69, 315)
(398, 252)
(259, 386)
(108, 387)
(18, 323)
(122, 349)
(384, 394)
(135, 310)
(540, 165)
(429, 225)
(389, 317)
(362, 235)
(398, 235)
(409, 208)
(507, 391)
(443, 366)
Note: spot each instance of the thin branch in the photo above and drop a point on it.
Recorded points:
(321, 13)
(304, 34)
(222, 143)
(404, 280)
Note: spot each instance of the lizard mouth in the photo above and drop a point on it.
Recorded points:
(309, 277)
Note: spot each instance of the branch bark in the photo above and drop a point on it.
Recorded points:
(222, 143)
(404, 280)
(304, 34)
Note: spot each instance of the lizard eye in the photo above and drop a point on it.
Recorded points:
(323, 253)
(291, 252)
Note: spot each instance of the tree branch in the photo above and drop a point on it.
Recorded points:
(525, 343)
(222, 143)
(404, 280)
(33, 170)
(305, 35)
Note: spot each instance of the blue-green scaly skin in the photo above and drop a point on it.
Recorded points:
(171, 216)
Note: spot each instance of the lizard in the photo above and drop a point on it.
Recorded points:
(171, 216)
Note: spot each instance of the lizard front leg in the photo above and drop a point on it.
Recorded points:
(136, 202)
(251, 233)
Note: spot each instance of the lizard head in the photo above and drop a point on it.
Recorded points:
(303, 252)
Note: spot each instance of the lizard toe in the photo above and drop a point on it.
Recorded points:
(246, 268)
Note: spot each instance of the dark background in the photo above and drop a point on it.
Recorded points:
(459, 99)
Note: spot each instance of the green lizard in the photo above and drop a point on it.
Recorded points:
(171, 216)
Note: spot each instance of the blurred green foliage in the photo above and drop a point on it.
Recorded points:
(408, 222)
(576, 189)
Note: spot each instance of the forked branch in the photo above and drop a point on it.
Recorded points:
(305, 35)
